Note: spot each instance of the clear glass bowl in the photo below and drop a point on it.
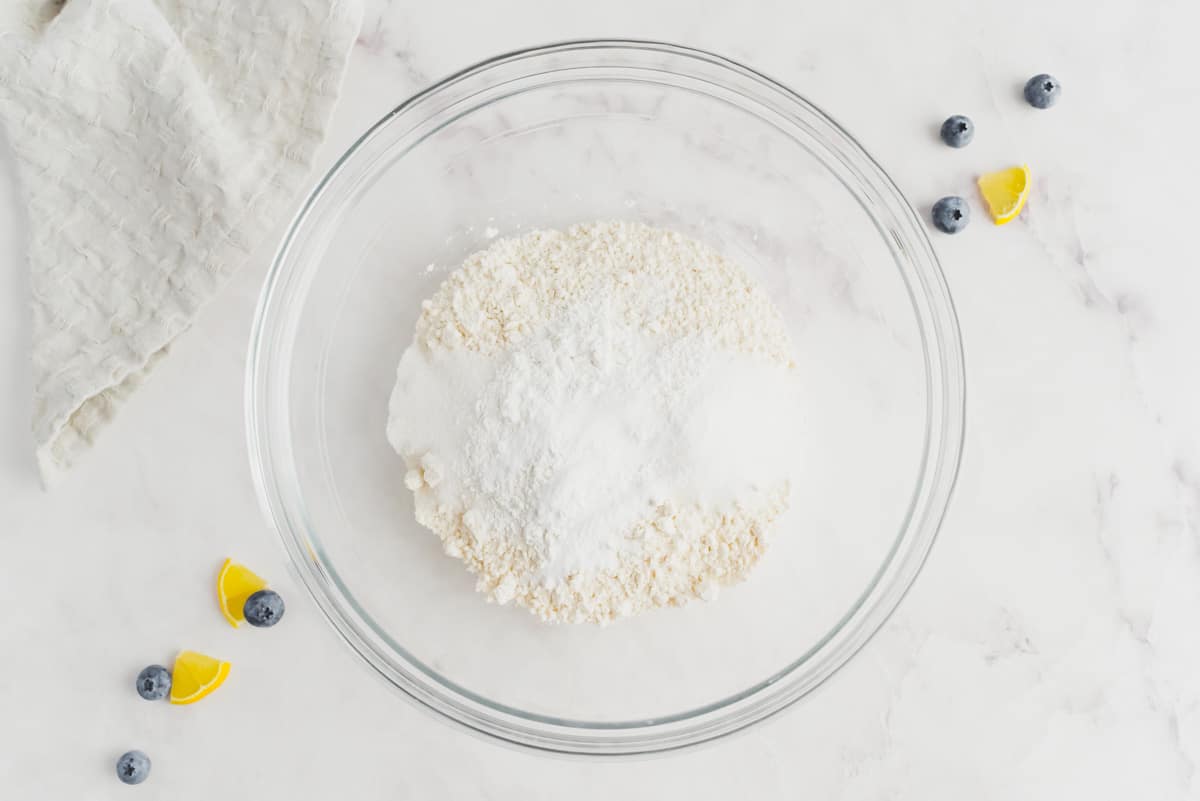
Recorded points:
(572, 133)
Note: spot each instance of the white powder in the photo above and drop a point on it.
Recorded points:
(598, 421)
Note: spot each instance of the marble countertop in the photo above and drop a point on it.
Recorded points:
(1051, 647)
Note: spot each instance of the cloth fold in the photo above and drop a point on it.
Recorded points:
(156, 142)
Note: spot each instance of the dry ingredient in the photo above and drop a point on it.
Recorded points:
(598, 421)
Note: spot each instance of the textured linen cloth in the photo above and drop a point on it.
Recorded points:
(156, 143)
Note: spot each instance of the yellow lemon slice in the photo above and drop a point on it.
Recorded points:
(195, 676)
(1005, 192)
(235, 584)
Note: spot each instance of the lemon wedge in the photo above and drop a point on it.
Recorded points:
(235, 584)
(195, 676)
(1005, 192)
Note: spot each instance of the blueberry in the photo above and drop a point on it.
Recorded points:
(951, 214)
(1042, 91)
(154, 682)
(958, 131)
(263, 608)
(133, 767)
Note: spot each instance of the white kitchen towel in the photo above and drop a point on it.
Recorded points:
(156, 143)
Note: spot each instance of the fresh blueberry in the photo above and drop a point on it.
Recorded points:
(958, 131)
(951, 214)
(1042, 91)
(133, 767)
(263, 608)
(154, 682)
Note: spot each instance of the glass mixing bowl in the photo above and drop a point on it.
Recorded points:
(579, 132)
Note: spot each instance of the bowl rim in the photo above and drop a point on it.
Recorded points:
(268, 448)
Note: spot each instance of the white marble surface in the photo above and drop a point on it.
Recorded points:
(1051, 648)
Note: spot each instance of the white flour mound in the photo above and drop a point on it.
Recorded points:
(598, 421)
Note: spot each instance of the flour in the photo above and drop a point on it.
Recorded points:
(598, 421)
